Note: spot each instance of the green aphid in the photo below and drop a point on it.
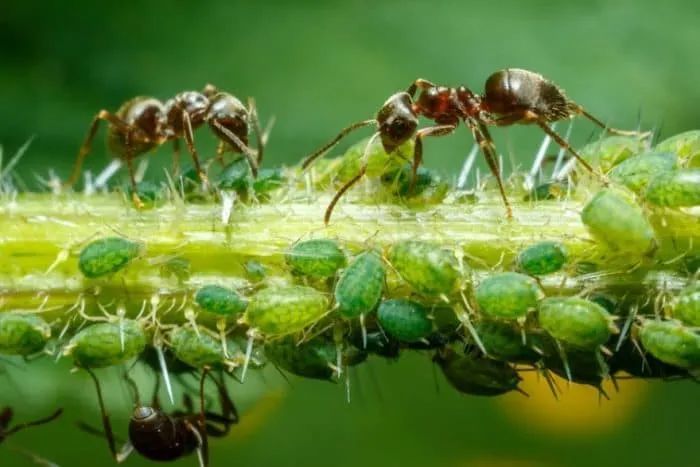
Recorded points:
(428, 268)
(508, 296)
(428, 185)
(196, 348)
(318, 258)
(692, 263)
(268, 180)
(255, 270)
(687, 306)
(236, 176)
(542, 258)
(676, 189)
(310, 359)
(615, 219)
(612, 150)
(378, 161)
(477, 376)
(686, 145)
(22, 333)
(404, 320)
(548, 191)
(220, 300)
(107, 256)
(576, 322)
(504, 341)
(107, 344)
(150, 194)
(278, 311)
(179, 267)
(360, 285)
(671, 342)
(636, 172)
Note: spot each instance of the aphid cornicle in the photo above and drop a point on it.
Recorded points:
(318, 258)
(107, 256)
(511, 96)
(508, 296)
(22, 333)
(428, 268)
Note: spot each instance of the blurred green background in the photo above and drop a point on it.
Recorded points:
(317, 66)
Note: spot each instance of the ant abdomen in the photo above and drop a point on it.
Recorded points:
(146, 115)
(159, 437)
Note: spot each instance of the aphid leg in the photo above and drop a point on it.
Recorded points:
(363, 329)
(360, 173)
(440, 130)
(221, 327)
(22, 426)
(86, 147)
(419, 84)
(259, 136)
(105, 417)
(485, 142)
(236, 142)
(189, 140)
(615, 131)
(343, 133)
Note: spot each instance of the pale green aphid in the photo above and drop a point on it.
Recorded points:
(686, 145)
(22, 333)
(542, 258)
(360, 285)
(612, 150)
(319, 258)
(615, 219)
(675, 189)
(428, 268)
(107, 256)
(576, 322)
(671, 342)
(404, 320)
(277, 311)
(196, 348)
(636, 172)
(687, 306)
(107, 344)
(310, 359)
(220, 300)
(508, 296)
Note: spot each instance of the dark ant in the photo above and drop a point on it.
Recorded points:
(145, 123)
(511, 96)
(159, 436)
(6, 415)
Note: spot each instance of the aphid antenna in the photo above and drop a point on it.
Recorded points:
(536, 168)
(547, 375)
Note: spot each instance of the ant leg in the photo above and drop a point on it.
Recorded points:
(228, 408)
(562, 142)
(236, 142)
(220, 150)
(421, 84)
(86, 147)
(203, 449)
(580, 110)
(105, 417)
(41, 421)
(132, 177)
(483, 138)
(440, 130)
(360, 173)
(189, 140)
(176, 157)
(343, 133)
(253, 112)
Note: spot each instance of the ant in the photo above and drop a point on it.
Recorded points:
(6, 415)
(145, 123)
(159, 436)
(512, 96)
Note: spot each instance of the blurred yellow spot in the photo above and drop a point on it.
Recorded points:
(256, 416)
(580, 409)
(502, 462)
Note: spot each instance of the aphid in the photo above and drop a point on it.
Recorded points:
(177, 266)
(610, 151)
(475, 375)
(576, 322)
(630, 359)
(360, 285)
(150, 194)
(196, 348)
(22, 333)
(508, 296)
(616, 220)
(675, 189)
(687, 306)
(512, 96)
(6, 415)
(255, 270)
(277, 311)
(428, 186)
(636, 172)
(686, 145)
(373, 340)
(107, 256)
(429, 269)
(548, 191)
(144, 123)
(503, 341)
(220, 300)
(671, 342)
(159, 436)
(107, 344)
(404, 320)
(542, 258)
(317, 258)
(314, 359)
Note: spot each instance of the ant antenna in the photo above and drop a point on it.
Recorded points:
(343, 133)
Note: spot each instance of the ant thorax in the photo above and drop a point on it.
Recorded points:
(193, 103)
(446, 106)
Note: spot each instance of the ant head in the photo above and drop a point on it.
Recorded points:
(147, 114)
(226, 110)
(397, 121)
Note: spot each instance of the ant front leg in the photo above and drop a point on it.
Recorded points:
(253, 112)
(86, 147)
(421, 84)
(189, 140)
(440, 130)
(22, 426)
(236, 142)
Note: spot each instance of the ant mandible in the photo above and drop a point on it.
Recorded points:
(145, 123)
(6, 415)
(512, 96)
(159, 436)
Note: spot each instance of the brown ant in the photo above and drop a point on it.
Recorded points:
(511, 96)
(145, 123)
(159, 436)
(6, 415)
